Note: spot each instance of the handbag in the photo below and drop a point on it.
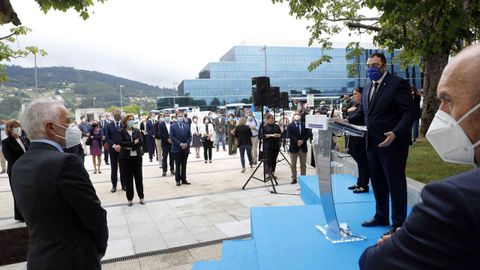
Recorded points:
(88, 141)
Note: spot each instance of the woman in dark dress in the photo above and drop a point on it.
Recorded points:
(271, 135)
(96, 147)
(243, 133)
(13, 147)
(131, 140)
(357, 147)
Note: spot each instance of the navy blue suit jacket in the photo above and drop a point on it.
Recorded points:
(441, 232)
(391, 109)
(294, 137)
(113, 134)
(180, 135)
(150, 130)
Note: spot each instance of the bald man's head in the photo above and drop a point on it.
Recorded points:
(459, 91)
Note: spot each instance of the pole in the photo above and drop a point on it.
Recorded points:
(35, 71)
(174, 95)
(121, 98)
(265, 58)
(94, 102)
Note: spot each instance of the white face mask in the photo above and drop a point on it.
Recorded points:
(18, 131)
(449, 139)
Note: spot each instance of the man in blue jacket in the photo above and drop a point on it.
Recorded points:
(181, 138)
(113, 138)
(442, 231)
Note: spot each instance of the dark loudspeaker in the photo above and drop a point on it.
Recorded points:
(274, 97)
(284, 100)
(260, 90)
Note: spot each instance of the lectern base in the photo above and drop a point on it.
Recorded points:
(344, 236)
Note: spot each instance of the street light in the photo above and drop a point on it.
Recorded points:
(174, 94)
(94, 98)
(121, 98)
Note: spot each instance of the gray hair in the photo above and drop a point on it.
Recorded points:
(38, 113)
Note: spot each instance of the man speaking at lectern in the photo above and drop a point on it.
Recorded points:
(442, 232)
(388, 111)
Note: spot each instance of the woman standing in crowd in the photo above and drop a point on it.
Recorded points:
(243, 133)
(131, 140)
(232, 144)
(271, 135)
(96, 147)
(416, 100)
(357, 147)
(196, 136)
(13, 147)
(208, 137)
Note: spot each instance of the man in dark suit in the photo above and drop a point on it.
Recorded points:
(441, 232)
(150, 137)
(113, 138)
(164, 132)
(106, 149)
(181, 139)
(67, 226)
(388, 109)
(298, 135)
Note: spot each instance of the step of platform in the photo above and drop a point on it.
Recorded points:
(239, 255)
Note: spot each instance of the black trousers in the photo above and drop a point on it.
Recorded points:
(18, 215)
(387, 170)
(358, 150)
(151, 146)
(133, 169)
(207, 149)
(114, 166)
(271, 155)
(166, 153)
(181, 165)
(105, 153)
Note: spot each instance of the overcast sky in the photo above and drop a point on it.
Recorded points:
(152, 41)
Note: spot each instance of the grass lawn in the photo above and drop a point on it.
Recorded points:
(423, 163)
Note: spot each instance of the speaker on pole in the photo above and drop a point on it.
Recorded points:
(260, 90)
(284, 100)
(274, 98)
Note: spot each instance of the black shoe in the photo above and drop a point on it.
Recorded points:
(374, 223)
(164, 174)
(178, 184)
(353, 187)
(151, 160)
(113, 189)
(360, 190)
(124, 188)
(293, 182)
(106, 162)
(391, 230)
(186, 183)
(172, 172)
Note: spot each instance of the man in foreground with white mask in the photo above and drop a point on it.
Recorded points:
(67, 227)
(442, 232)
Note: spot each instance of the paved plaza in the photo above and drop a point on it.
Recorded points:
(178, 225)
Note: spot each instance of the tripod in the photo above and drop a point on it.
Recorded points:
(267, 172)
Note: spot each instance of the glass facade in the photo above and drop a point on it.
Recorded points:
(229, 80)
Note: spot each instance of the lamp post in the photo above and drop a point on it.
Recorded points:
(174, 94)
(121, 98)
(94, 98)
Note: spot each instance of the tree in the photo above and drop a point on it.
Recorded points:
(8, 43)
(10, 106)
(215, 102)
(132, 108)
(427, 32)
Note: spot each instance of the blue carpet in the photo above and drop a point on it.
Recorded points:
(286, 237)
(239, 255)
(310, 192)
(209, 265)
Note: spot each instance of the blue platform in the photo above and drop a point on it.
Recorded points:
(286, 237)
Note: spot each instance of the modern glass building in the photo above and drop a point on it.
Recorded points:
(229, 80)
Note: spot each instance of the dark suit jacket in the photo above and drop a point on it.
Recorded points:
(441, 232)
(12, 151)
(294, 136)
(156, 130)
(164, 134)
(113, 134)
(150, 130)
(391, 109)
(67, 226)
(179, 135)
(127, 142)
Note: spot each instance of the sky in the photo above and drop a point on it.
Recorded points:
(156, 42)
